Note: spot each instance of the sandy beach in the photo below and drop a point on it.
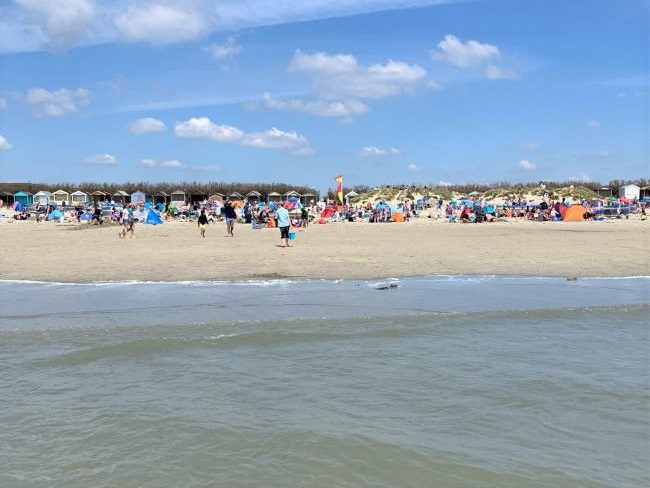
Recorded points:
(174, 251)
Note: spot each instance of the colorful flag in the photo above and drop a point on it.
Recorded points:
(339, 188)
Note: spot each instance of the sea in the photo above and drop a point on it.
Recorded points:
(442, 381)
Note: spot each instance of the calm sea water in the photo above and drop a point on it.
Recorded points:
(444, 382)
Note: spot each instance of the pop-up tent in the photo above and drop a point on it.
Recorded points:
(55, 215)
(574, 213)
(87, 216)
(153, 218)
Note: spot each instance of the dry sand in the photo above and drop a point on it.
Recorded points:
(174, 251)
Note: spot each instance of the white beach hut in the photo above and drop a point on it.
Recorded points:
(79, 198)
(62, 197)
(43, 197)
(629, 191)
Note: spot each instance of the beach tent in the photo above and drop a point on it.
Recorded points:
(24, 197)
(327, 213)
(398, 217)
(62, 197)
(574, 213)
(19, 207)
(79, 198)
(43, 197)
(153, 218)
(179, 197)
(55, 215)
(86, 216)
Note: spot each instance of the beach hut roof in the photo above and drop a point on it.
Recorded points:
(179, 192)
(274, 194)
(78, 193)
(161, 194)
(6, 193)
(43, 193)
(120, 193)
(22, 193)
(253, 193)
(98, 193)
(351, 194)
(292, 193)
(198, 192)
(236, 194)
(58, 192)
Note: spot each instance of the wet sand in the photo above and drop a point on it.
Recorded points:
(174, 251)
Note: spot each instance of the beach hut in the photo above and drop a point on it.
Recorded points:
(274, 197)
(121, 197)
(79, 198)
(24, 197)
(216, 197)
(253, 197)
(7, 197)
(236, 196)
(161, 197)
(308, 198)
(644, 192)
(179, 197)
(629, 192)
(43, 197)
(197, 196)
(605, 192)
(350, 196)
(290, 194)
(139, 196)
(574, 213)
(99, 196)
(62, 197)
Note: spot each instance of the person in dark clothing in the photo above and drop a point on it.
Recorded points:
(203, 223)
(231, 217)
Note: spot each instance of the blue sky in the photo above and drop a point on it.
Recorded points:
(378, 90)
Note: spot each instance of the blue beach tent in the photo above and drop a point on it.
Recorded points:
(86, 216)
(153, 218)
(55, 215)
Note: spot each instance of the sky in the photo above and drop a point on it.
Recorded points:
(380, 91)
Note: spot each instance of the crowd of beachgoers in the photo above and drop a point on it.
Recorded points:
(264, 214)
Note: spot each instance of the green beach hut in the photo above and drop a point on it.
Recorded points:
(24, 197)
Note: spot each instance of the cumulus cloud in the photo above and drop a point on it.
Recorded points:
(4, 143)
(526, 165)
(64, 22)
(160, 23)
(370, 151)
(3, 103)
(176, 164)
(101, 160)
(228, 49)
(414, 168)
(322, 108)
(57, 103)
(274, 138)
(464, 54)
(341, 77)
(146, 125)
(493, 72)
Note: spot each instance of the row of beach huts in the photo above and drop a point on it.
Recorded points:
(178, 197)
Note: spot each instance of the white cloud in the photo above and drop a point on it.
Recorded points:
(493, 72)
(101, 160)
(414, 168)
(529, 146)
(176, 164)
(159, 23)
(3, 103)
(370, 151)
(63, 22)
(445, 183)
(204, 128)
(341, 77)
(322, 108)
(584, 177)
(526, 165)
(594, 124)
(57, 103)
(4, 143)
(228, 49)
(464, 55)
(146, 125)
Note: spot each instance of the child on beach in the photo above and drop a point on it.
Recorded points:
(203, 223)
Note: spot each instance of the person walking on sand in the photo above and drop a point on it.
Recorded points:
(231, 216)
(284, 224)
(203, 223)
(130, 222)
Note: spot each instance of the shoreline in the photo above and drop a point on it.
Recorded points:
(173, 252)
